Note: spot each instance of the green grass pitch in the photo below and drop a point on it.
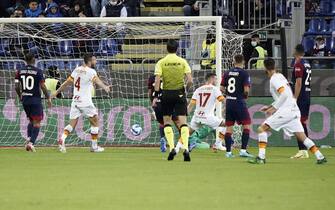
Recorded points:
(142, 179)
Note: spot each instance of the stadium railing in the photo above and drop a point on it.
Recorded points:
(249, 15)
(329, 59)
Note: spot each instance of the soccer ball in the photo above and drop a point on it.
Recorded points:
(136, 129)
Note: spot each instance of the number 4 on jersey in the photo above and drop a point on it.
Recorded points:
(77, 84)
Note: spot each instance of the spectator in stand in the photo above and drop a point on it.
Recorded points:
(132, 7)
(34, 9)
(12, 5)
(319, 50)
(114, 8)
(78, 10)
(18, 12)
(208, 51)
(53, 10)
(191, 8)
(96, 6)
(258, 52)
(3, 8)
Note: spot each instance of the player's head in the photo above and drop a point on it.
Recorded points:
(255, 40)
(211, 78)
(239, 60)
(172, 46)
(299, 50)
(29, 58)
(53, 72)
(90, 60)
(270, 66)
(210, 37)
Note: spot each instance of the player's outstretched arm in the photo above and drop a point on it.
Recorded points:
(68, 82)
(98, 81)
(46, 94)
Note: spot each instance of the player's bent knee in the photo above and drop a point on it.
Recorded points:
(262, 128)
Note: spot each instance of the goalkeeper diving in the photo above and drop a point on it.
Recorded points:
(83, 78)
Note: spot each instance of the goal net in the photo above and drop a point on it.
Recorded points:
(127, 50)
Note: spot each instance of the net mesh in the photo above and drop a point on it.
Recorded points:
(126, 52)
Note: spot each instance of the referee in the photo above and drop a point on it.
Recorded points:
(172, 70)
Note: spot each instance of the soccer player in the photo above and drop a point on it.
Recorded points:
(204, 99)
(285, 115)
(28, 84)
(236, 85)
(301, 85)
(157, 110)
(83, 78)
(172, 70)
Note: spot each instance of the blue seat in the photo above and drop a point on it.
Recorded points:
(65, 48)
(325, 7)
(12, 65)
(329, 43)
(333, 7)
(4, 47)
(102, 65)
(323, 26)
(93, 46)
(308, 43)
(313, 26)
(46, 64)
(331, 27)
(33, 48)
(72, 64)
(108, 47)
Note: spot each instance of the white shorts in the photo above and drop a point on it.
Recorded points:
(212, 121)
(88, 111)
(287, 120)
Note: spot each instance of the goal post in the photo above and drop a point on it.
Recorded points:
(126, 49)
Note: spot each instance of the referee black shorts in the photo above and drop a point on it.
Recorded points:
(174, 102)
(159, 113)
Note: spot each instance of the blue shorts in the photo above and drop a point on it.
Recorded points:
(237, 111)
(34, 111)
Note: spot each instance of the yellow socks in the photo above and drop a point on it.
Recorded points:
(169, 135)
(184, 134)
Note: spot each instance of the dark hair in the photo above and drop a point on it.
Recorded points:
(88, 58)
(300, 49)
(172, 46)
(239, 58)
(210, 37)
(269, 64)
(29, 58)
(255, 36)
(53, 71)
(37, 1)
(210, 75)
